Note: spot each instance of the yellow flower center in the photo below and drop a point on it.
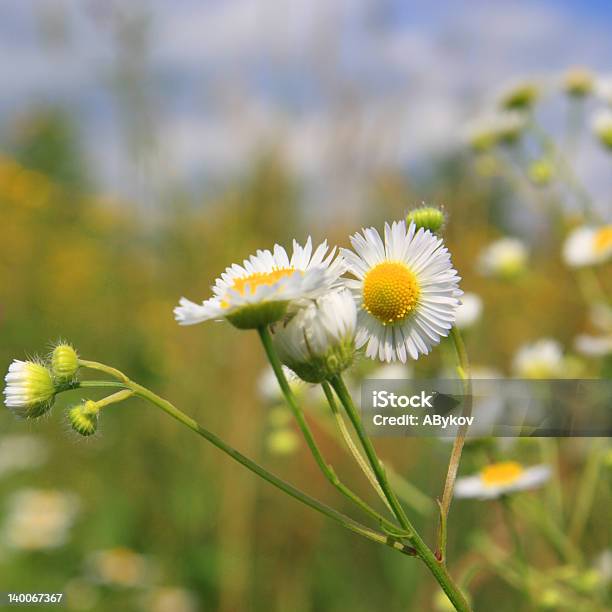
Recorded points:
(260, 278)
(251, 282)
(500, 474)
(603, 239)
(390, 292)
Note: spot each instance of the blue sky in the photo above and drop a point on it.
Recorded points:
(346, 86)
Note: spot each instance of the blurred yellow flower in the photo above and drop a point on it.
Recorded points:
(501, 478)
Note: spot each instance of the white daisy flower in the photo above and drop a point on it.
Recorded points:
(469, 310)
(603, 89)
(602, 127)
(39, 519)
(501, 478)
(541, 359)
(406, 290)
(260, 290)
(593, 346)
(505, 258)
(319, 341)
(268, 388)
(587, 246)
(29, 390)
(122, 567)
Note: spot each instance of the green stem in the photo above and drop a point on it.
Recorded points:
(586, 492)
(115, 398)
(94, 384)
(345, 398)
(351, 444)
(535, 513)
(94, 365)
(453, 465)
(327, 469)
(519, 551)
(554, 490)
(254, 467)
(408, 493)
(567, 171)
(437, 568)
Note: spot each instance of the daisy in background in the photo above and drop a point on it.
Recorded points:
(469, 310)
(39, 519)
(593, 346)
(540, 359)
(500, 479)
(406, 290)
(268, 389)
(21, 452)
(260, 290)
(588, 246)
(603, 89)
(505, 258)
(578, 82)
(598, 344)
(602, 127)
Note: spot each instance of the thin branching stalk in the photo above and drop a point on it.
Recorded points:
(325, 468)
(144, 393)
(438, 569)
(453, 465)
(586, 492)
(348, 440)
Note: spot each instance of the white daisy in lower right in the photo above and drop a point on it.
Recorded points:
(406, 290)
(588, 246)
(500, 479)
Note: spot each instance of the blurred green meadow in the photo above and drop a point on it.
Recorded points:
(147, 516)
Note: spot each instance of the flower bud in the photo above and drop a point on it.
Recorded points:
(64, 363)
(427, 217)
(84, 418)
(520, 96)
(578, 82)
(499, 128)
(602, 127)
(30, 390)
(319, 341)
(541, 172)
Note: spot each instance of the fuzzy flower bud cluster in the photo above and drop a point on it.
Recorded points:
(31, 386)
